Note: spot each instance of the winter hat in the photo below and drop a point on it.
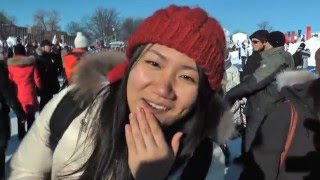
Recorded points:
(190, 31)
(19, 49)
(261, 35)
(301, 46)
(45, 43)
(276, 39)
(81, 41)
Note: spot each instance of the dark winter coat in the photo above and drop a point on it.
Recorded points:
(23, 72)
(48, 70)
(302, 159)
(260, 89)
(253, 63)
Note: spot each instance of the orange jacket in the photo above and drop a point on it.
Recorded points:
(71, 60)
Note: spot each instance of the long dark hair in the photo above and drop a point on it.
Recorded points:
(109, 157)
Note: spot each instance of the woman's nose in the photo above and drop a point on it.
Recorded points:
(164, 87)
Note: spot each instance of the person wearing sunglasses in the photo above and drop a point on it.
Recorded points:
(258, 39)
(259, 88)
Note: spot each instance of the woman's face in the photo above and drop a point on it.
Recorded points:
(165, 82)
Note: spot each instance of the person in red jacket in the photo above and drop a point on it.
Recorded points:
(23, 72)
(81, 44)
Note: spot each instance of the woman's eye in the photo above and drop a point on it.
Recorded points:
(152, 63)
(188, 78)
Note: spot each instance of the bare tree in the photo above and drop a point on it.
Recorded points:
(265, 25)
(39, 19)
(103, 24)
(128, 27)
(73, 27)
(6, 19)
(53, 20)
(47, 21)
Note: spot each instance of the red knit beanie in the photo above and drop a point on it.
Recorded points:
(190, 31)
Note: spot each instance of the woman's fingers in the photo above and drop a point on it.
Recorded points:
(145, 129)
(156, 130)
(175, 142)
(129, 139)
(137, 135)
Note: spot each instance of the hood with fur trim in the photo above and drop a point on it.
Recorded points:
(225, 126)
(290, 78)
(91, 73)
(21, 61)
(90, 77)
(39, 51)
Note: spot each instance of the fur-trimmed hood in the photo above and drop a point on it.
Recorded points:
(91, 73)
(21, 61)
(290, 78)
(39, 51)
(225, 127)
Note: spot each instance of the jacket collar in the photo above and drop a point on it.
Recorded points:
(91, 74)
(297, 85)
(290, 78)
(272, 51)
(21, 61)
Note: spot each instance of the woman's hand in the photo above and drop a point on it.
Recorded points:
(149, 154)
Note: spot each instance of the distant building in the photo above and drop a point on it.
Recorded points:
(33, 33)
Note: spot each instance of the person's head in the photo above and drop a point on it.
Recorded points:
(19, 50)
(176, 64)
(46, 46)
(275, 39)
(81, 42)
(34, 43)
(302, 46)
(259, 40)
(166, 77)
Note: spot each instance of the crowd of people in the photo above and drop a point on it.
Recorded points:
(165, 109)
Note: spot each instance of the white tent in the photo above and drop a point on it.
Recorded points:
(239, 37)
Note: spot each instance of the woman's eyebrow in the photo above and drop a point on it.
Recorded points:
(158, 54)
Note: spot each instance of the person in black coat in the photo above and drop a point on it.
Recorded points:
(48, 70)
(303, 156)
(8, 98)
(258, 39)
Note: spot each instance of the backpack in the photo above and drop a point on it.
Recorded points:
(292, 128)
(297, 57)
(196, 168)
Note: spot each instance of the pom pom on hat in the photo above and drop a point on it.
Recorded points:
(81, 41)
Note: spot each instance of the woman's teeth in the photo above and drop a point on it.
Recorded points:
(158, 107)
